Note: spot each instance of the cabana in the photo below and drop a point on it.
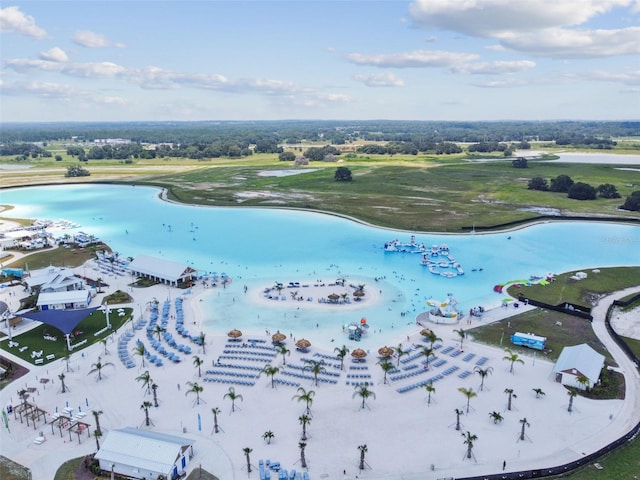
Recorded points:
(161, 270)
(576, 362)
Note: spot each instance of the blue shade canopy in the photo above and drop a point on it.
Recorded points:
(63, 320)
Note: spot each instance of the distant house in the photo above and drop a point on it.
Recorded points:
(53, 279)
(64, 300)
(161, 270)
(578, 361)
(136, 453)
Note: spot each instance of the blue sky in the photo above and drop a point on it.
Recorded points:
(303, 59)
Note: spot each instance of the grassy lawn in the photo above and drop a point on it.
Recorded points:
(10, 470)
(60, 257)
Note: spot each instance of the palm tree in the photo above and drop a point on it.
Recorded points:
(363, 392)
(583, 382)
(154, 389)
(509, 391)
(158, 330)
(96, 415)
(363, 450)
(215, 411)
(573, 393)
(304, 421)
(267, 436)
(483, 372)
(430, 389)
(496, 417)
(305, 396)
(315, 368)
(233, 396)
(427, 352)
(539, 392)
(97, 434)
(202, 342)
(104, 344)
(458, 413)
(98, 366)
(64, 387)
(197, 362)
(146, 380)
(271, 371)
(432, 337)
(247, 451)
(400, 352)
(99, 284)
(140, 350)
(341, 352)
(525, 424)
(67, 359)
(303, 459)
(468, 441)
(194, 388)
(294, 295)
(469, 393)
(386, 366)
(513, 358)
(462, 334)
(145, 406)
(284, 351)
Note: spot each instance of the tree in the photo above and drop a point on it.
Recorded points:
(341, 352)
(468, 441)
(146, 380)
(343, 174)
(632, 203)
(483, 372)
(305, 396)
(233, 396)
(469, 393)
(538, 183)
(400, 352)
(97, 434)
(525, 424)
(496, 417)
(96, 415)
(363, 450)
(197, 362)
(458, 412)
(561, 183)
(284, 351)
(428, 353)
(76, 171)
(202, 338)
(271, 371)
(247, 451)
(194, 388)
(606, 190)
(430, 390)
(267, 436)
(315, 368)
(462, 334)
(146, 406)
(64, 387)
(303, 459)
(513, 358)
(573, 393)
(519, 162)
(582, 191)
(287, 156)
(98, 366)
(386, 366)
(511, 396)
(215, 411)
(432, 337)
(304, 421)
(158, 330)
(363, 392)
(154, 389)
(583, 381)
(538, 391)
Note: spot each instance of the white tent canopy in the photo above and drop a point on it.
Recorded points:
(159, 269)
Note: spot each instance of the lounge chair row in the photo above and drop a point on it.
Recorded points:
(286, 382)
(247, 351)
(309, 377)
(237, 357)
(411, 358)
(464, 374)
(482, 360)
(231, 374)
(359, 375)
(238, 366)
(235, 381)
(358, 367)
(468, 357)
(455, 353)
(306, 367)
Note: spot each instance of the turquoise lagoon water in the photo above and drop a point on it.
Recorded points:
(258, 247)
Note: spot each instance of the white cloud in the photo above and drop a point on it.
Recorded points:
(12, 20)
(89, 39)
(626, 78)
(494, 68)
(86, 70)
(54, 54)
(380, 80)
(539, 27)
(39, 89)
(415, 59)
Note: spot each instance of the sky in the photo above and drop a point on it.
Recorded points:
(458, 60)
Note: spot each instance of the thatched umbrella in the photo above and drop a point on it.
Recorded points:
(303, 344)
(385, 351)
(278, 337)
(235, 333)
(333, 297)
(358, 294)
(358, 354)
(426, 332)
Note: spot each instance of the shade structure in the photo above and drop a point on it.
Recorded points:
(426, 332)
(333, 296)
(278, 337)
(358, 293)
(358, 353)
(235, 333)
(385, 351)
(303, 344)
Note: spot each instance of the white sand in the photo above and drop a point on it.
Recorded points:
(404, 435)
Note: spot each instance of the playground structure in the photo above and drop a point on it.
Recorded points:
(356, 330)
(444, 312)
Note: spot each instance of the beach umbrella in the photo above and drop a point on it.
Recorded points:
(358, 294)
(303, 344)
(234, 333)
(385, 351)
(358, 353)
(278, 337)
(333, 296)
(425, 332)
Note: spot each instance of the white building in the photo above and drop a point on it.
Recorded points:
(65, 300)
(161, 270)
(54, 279)
(578, 361)
(143, 454)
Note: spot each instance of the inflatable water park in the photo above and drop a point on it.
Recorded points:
(438, 259)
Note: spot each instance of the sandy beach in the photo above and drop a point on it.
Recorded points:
(406, 436)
